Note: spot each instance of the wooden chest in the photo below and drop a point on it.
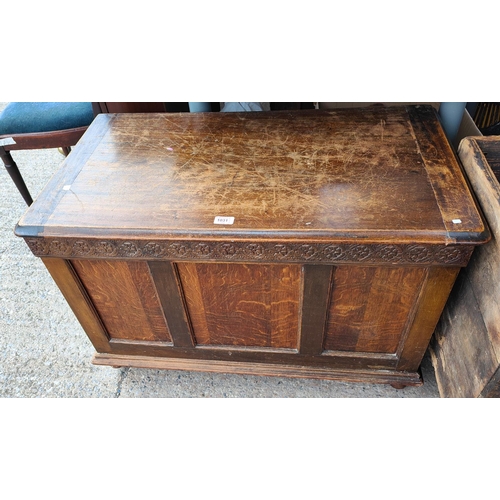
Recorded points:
(307, 244)
(466, 347)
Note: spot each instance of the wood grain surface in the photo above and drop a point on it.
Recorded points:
(306, 175)
(123, 294)
(370, 308)
(246, 305)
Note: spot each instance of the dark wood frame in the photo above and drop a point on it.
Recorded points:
(64, 139)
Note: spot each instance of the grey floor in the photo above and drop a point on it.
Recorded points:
(45, 353)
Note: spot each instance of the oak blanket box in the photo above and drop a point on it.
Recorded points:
(307, 243)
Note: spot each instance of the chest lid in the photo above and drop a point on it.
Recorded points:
(376, 174)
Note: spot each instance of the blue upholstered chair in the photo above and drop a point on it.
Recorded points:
(40, 125)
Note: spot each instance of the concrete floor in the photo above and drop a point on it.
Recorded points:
(44, 352)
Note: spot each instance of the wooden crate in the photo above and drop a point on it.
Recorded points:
(465, 349)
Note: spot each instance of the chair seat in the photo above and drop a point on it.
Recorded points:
(35, 117)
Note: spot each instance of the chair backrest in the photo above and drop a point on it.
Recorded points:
(128, 107)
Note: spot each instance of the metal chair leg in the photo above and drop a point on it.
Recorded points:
(15, 175)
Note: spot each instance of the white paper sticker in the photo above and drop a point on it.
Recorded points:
(223, 220)
(457, 221)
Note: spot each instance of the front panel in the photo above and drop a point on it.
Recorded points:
(368, 310)
(247, 305)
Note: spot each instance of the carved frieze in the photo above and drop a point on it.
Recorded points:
(244, 251)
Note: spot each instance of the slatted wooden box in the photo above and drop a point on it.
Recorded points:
(465, 350)
(306, 244)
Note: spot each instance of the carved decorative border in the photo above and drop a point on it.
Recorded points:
(244, 251)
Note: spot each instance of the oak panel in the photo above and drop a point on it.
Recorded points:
(124, 295)
(243, 304)
(370, 307)
(64, 275)
(433, 296)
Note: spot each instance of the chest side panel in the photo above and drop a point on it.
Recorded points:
(125, 298)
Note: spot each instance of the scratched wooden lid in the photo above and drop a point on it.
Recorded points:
(377, 174)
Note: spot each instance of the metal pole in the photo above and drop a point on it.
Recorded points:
(199, 107)
(451, 114)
